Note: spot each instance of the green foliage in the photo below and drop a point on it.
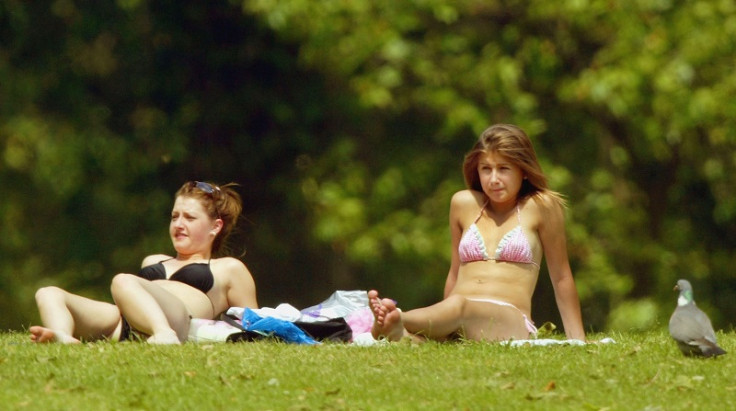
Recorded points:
(629, 98)
(639, 371)
(345, 124)
(106, 110)
(634, 315)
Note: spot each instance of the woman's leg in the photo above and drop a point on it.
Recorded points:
(151, 309)
(67, 317)
(436, 321)
(486, 320)
(476, 320)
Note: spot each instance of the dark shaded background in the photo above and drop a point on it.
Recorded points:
(345, 126)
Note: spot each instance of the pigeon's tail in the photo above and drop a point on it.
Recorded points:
(710, 349)
(713, 351)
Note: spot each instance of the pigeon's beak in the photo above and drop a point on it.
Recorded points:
(676, 288)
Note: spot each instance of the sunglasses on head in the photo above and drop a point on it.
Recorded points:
(208, 188)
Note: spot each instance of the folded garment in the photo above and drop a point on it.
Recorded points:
(340, 304)
(202, 330)
(286, 330)
(283, 311)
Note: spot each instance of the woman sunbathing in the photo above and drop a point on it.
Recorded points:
(501, 227)
(161, 299)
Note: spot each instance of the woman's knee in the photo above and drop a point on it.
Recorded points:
(122, 282)
(47, 294)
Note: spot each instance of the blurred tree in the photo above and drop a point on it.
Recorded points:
(346, 123)
(627, 101)
(106, 110)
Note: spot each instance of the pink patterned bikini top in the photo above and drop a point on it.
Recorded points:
(513, 247)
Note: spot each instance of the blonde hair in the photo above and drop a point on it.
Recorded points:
(511, 142)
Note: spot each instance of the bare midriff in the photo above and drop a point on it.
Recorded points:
(512, 283)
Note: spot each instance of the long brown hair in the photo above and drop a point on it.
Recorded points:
(511, 142)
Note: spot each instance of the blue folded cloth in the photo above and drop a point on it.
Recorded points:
(281, 328)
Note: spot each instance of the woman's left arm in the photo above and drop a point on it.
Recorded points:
(241, 291)
(554, 242)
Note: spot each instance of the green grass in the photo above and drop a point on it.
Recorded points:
(639, 372)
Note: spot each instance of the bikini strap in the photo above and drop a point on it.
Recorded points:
(518, 213)
(480, 213)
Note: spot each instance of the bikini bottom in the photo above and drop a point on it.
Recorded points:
(127, 333)
(529, 323)
(124, 330)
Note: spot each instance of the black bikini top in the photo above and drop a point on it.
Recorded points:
(197, 275)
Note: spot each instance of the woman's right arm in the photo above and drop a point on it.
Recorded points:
(456, 231)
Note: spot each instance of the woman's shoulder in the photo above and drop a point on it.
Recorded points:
(229, 264)
(545, 205)
(465, 206)
(231, 271)
(468, 198)
(154, 259)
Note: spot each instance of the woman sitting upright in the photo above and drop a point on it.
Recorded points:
(501, 227)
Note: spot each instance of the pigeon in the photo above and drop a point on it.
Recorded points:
(690, 326)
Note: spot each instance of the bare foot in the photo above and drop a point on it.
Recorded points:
(44, 335)
(387, 318)
(379, 313)
(164, 338)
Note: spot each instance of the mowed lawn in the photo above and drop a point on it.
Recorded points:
(640, 371)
